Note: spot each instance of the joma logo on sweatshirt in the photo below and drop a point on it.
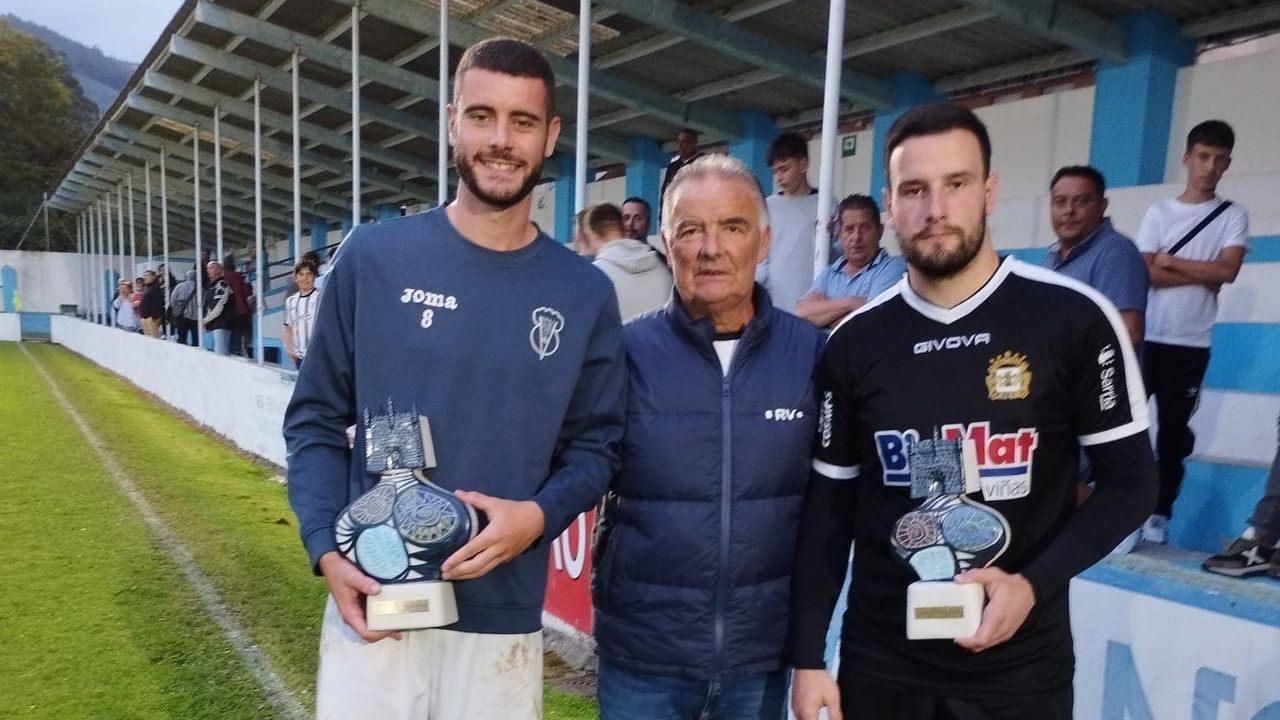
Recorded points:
(429, 299)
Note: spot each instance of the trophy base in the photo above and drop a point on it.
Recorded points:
(411, 606)
(943, 610)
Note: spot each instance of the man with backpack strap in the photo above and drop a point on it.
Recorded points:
(1193, 244)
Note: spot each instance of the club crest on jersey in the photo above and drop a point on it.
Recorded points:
(1004, 459)
(1008, 377)
(544, 338)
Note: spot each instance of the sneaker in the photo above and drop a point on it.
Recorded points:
(1245, 557)
(1153, 530)
(1275, 565)
(1127, 544)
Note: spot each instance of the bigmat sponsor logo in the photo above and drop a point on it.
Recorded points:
(1004, 459)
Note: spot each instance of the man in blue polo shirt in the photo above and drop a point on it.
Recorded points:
(1091, 250)
(863, 272)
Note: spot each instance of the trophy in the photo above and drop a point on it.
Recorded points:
(947, 534)
(403, 528)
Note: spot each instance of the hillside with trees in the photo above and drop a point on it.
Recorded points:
(100, 76)
(44, 118)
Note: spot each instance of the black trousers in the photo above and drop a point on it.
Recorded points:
(866, 699)
(1173, 374)
(186, 330)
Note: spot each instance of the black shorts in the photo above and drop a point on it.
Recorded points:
(864, 698)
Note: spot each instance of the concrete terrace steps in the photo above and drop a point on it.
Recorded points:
(1174, 574)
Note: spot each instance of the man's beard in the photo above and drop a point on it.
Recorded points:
(943, 264)
(467, 174)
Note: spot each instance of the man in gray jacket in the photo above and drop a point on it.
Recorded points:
(639, 275)
(185, 310)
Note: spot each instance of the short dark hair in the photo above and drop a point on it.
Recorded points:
(305, 265)
(1081, 171)
(787, 146)
(687, 131)
(229, 261)
(935, 119)
(508, 56)
(601, 219)
(648, 209)
(858, 202)
(1214, 133)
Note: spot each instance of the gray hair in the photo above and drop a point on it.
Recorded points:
(721, 167)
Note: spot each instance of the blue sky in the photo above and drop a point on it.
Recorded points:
(125, 29)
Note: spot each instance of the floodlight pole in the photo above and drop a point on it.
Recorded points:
(830, 119)
(584, 86)
(355, 114)
(442, 104)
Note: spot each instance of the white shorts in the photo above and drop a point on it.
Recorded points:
(427, 675)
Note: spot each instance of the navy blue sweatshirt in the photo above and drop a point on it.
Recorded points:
(514, 357)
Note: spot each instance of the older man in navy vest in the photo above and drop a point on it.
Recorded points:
(697, 538)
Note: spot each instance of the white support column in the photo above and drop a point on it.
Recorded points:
(124, 274)
(133, 235)
(442, 146)
(297, 163)
(80, 304)
(195, 203)
(584, 87)
(830, 118)
(151, 253)
(45, 205)
(257, 217)
(217, 181)
(164, 229)
(91, 261)
(99, 263)
(355, 114)
(111, 240)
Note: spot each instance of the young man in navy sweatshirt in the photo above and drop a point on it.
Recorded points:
(511, 345)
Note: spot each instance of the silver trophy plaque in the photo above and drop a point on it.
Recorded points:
(947, 534)
(403, 528)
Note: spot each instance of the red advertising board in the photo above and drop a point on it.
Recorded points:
(568, 590)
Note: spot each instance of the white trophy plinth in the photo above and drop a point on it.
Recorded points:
(943, 610)
(412, 606)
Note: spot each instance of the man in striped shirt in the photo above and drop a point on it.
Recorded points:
(300, 312)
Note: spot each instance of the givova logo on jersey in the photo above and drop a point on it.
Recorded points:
(1003, 459)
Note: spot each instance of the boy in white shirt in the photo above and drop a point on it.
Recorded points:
(1193, 244)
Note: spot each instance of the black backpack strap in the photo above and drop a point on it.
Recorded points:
(1213, 214)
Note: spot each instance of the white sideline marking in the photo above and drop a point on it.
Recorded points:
(274, 688)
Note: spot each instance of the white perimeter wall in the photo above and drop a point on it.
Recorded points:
(45, 280)
(232, 397)
(1145, 658)
(10, 327)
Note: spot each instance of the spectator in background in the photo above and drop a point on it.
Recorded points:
(125, 319)
(218, 302)
(863, 271)
(635, 218)
(686, 152)
(151, 304)
(240, 321)
(300, 312)
(1091, 250)
(291, 283)
(167, 282)
(1193, 244)
(185, 310)
(1257, 550)
(637, 272)
(136, 298)
(787, 272)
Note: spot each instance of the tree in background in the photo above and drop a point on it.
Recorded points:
(44, 117)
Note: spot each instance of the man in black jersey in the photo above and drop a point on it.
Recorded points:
(1026, 365)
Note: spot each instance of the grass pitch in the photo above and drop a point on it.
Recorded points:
(98, 621)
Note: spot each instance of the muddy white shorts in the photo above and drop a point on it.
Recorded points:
(427, 675)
